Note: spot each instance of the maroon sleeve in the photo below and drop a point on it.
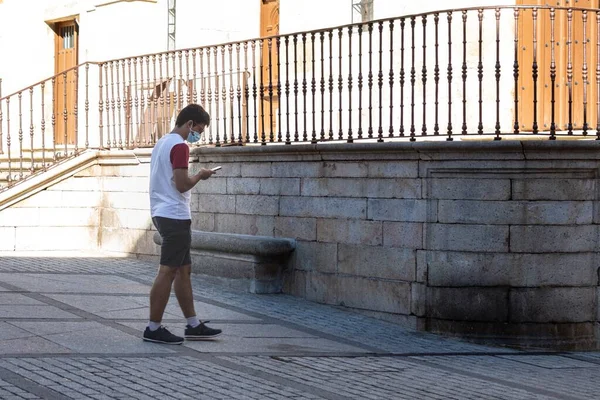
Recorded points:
(180, 154)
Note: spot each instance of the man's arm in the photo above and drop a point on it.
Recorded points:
(184, 182)
(179, 161)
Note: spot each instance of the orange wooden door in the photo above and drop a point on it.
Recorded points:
(577, 64)
(269, 26)
(65, 85)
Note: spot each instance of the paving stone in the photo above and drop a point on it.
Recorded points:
(83, 342)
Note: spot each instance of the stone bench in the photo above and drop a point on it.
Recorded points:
(254, 263)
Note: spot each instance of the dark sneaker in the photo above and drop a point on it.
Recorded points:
(201, 332)
(161, 335)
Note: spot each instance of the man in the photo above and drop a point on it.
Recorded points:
(170, 187)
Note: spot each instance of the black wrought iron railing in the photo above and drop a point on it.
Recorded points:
(491, 72)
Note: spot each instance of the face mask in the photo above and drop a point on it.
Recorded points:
(193, 137)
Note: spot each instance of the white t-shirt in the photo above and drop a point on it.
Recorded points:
(169, 153)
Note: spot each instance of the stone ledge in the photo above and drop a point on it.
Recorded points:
(443, 150)
(255, 262)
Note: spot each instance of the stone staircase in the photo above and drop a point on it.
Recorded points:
(17, 168)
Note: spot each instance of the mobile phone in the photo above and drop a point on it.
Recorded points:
(216, 168)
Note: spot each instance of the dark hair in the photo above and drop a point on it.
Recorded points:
(193, 112)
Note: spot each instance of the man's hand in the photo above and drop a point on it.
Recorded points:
(184, 182)
(204, 174)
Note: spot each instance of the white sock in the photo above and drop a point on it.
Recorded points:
(193, 321)
(153, 325)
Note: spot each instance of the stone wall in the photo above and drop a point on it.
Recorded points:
(493, 240)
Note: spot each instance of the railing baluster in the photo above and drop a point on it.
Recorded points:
(552, 76)
(360, 81)
(296, 88)
(42, 126)
(136, 88)
(402, 75)
(179, 86)
(239, 91)
(164, 87)
(313, 86)
(304, 86)
(597, 75)
(119, 104)
(412, 80)
(131, 87)
(270, 88)
(331, 85)
(112, 103)
(65, 114)
(76, 109)
(246, 92)
(279, 102)
(224, 94)
(424, 76)
(497, 74)
(287, 90)
(436, 74)
(32, 167)
(217, 98)
(231, 94)
(210, 92)
(151, 103)
(152, 126)
(142, 132)
(100, 107)
(187, 75)
(340, 84)
(480, 72)
(584, 73)
(172, 98)
(322, 37)
(449, 77)
(202, 78)
(370, 81)
(87, 106)
(464, 73)
(570, 70)
(54, 116)
(254, 91)
(262, 93)
(380, 83)
(391, 75)
(516, 72)
(534, 15)
(126, 102)
(194, 98)
(20, 96)
(8, 139)
(350, 139)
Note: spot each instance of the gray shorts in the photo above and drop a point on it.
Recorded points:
(176, 237)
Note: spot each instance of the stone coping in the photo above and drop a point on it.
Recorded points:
(238, 243)
(521, 149)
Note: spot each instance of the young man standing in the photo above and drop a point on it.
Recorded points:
(170, 187)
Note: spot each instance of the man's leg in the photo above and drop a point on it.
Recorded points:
(160, 292)
(159, 297)
(195, 330)
(183, 291)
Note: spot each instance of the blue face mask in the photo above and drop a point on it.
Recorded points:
(193, 137)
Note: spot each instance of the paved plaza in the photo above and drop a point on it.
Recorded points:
(70, 328)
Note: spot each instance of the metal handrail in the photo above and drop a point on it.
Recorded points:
(431, 74)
